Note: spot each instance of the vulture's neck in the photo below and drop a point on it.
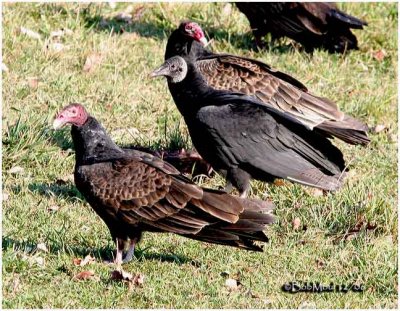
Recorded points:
(192, 93)
(179, 44)
(92, 144)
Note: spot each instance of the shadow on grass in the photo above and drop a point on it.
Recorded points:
(101, 254)
(61, 189)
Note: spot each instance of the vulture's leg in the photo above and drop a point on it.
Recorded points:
(129, 255)
(228, 187)
(120, 248)
(243, 194)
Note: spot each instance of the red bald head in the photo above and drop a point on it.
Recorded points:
(194, 31)
(72, 114)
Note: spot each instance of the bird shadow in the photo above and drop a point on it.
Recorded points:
(61, 189)
(102, 254)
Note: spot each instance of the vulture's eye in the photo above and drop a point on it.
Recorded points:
(180, 69)
(172, 66)
(73, 111)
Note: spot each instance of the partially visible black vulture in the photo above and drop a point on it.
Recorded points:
(242, 138)
(273, 88)
(313, 24)
(133, 192)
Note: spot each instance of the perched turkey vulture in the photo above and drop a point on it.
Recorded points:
(313, 24)
(242, 138)
(133, 192)
(272, 87)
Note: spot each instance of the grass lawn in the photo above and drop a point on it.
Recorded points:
(345, 238)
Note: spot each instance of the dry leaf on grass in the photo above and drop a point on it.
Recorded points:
(379, 128)
(380, 55)
(16, 170)
(279, 182)
(41, 247)
(85, 261)
(4, 67)
(5, 196)
(315, 192)
(61, 32)
(92, 61)
(54, 47)
(29, 33)
(124, 17)
(84, 275)
(131, 280)
(296, 223)
(232, 284)
(53, 208)
(33, 82)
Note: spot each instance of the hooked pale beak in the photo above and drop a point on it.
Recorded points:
(57, 124)
(163, 70)
(203, 41)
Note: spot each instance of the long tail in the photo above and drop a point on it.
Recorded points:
(254, 219)
(349, 20)
(349, 130)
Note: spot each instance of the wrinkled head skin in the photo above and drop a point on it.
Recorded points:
(174, 68)
(193, 30)
(74, 114)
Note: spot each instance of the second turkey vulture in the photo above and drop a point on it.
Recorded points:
(133, 192)
(313, 24)
(272, 87)
(242, 138)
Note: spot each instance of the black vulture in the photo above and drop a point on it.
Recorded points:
(133, 192)
(313, 24)
(242, 138)
(271, 87)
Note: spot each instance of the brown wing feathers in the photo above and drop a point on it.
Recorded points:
(228, 72)
(145, 194)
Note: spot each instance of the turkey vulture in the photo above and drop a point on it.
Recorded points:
(133, 192)
(242, 138)
(272, 87)
(313, 24)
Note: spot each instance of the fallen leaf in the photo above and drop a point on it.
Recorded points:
(139, 12)
(393, 137)
(38, 260)
(5, 196)
(92, 61)
(83, 262)
(53, 208)
(315, 192)
(379, 128)
(232, 284)
(4, 67)
(16, 170)
(33, 82)
(279, 182)
(54, 47)
(84, 275)
(296, 223)
(30, 33)
(320, 264)
(61, 32)
(131, 280)
(65, 179)
(16, 284)
(227, 9)
(42, 247)
(124, 17)
(379, 55)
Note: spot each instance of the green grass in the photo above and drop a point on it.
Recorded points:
(179, 272)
